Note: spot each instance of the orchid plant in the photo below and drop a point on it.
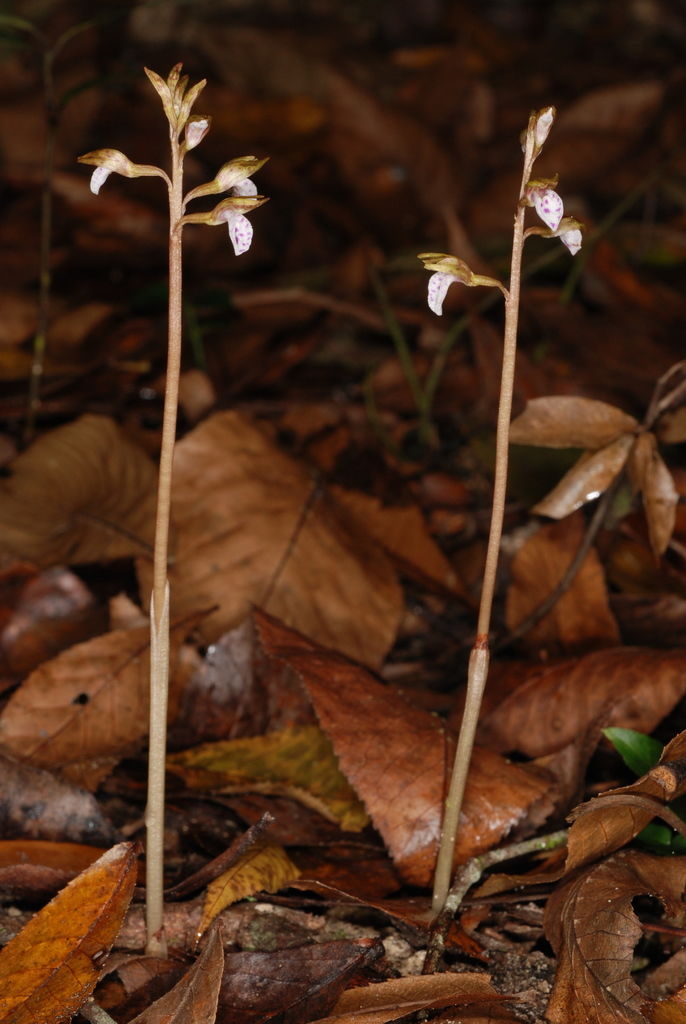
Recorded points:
(186, 131)
(540, 194)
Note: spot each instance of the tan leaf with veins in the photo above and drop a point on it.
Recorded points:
(253, 527)
(650, 475)
(587, 479)
(593, 929)
(80, 493)
(565, 421)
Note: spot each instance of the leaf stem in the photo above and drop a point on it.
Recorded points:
(159, 604)
(479, 657)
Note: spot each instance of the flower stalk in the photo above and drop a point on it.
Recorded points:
(549, 206)
(177, 101)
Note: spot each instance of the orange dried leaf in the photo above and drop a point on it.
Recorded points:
(565, 421)
(50, 967)
(264, 868)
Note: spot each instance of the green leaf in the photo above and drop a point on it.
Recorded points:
(657, 837)
(639, 752)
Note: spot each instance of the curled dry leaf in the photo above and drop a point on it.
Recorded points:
(81, 493)
(264, 868)
(396, 757)
(50, 967)
(587, 479)
(581, 618)
(399, 997)
(555, 703)
(565, 421)
(87, 707)
(193, 1000)
(252, 528)
(606, 823)
(649, 474)
(593, 929)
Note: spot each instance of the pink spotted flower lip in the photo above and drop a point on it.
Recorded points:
(546, 201)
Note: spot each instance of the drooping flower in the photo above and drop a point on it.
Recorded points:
(98, 179)
(549, 207)
(448, 269)
(240, 228)
(572, 239)
(107, 161)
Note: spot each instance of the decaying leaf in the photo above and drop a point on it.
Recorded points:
(566, 421)
(593, 929)
(587, 479)
(81, 493)
(264, 868)
(47, 970)
(296, 762)
(552, 704)
(252, 527)
(581, 619)
(193, 1000)
(650, 476)
(396, 757)
(87, 707)
(607, 822)
(301, 984)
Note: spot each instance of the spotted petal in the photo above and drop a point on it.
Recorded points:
(438, 287)
(246, 187)
(240, 232)
(549, 207)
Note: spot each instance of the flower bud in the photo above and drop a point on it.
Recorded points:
(196, 130)
(544, 122)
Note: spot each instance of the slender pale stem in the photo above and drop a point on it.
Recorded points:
(159, 605)
(479, 657)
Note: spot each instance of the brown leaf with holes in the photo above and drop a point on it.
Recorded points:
(81, 493)
(50, 967)
(593, 929)
(194, 998)
(252, 528)
(567, 421)
(87, 707)
(396, 757)
(587, 479)
(649, 474)
(581, 618)
(551, 704)
(607, 822)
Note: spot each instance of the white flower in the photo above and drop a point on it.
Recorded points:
(549, 206)
(543, 125)
(196, 129)
(240, 228)
(98, 179)
(438, 287)
(572, 239)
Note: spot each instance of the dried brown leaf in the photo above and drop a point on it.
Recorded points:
(581, 618)
(81, 493)
(554, 703)
(87, 707)
(264, 868)
(593, 929)
(398, 997)
(253, 529)
(606, 823)
(193, 1000)
(587, 479)
(50, 967)
(650, 475)
(567, 421)
(396, 757)
(294, 985)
